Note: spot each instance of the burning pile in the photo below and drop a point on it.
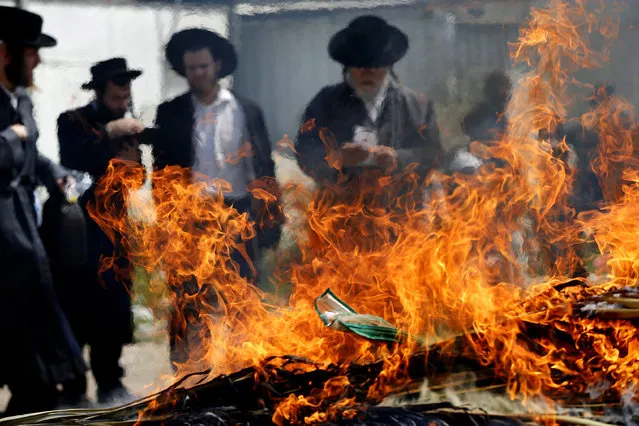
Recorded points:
(451, 268)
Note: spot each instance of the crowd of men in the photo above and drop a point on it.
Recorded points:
(49, 311)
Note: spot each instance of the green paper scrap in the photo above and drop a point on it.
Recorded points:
(336, 314)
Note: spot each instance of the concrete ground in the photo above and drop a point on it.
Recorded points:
(146, 365)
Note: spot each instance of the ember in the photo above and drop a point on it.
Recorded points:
(448, 269)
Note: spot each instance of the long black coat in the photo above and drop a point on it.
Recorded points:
(175, 147)
(37, 343)
(98, 305)
(406, 123)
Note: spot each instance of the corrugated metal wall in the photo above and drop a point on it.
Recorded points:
(284, 59)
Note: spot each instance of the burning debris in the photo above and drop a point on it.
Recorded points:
(290, 390)
(444, 264)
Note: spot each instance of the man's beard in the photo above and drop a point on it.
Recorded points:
(367, 95)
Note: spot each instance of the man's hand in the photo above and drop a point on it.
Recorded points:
(124, 127)
(21, 131)
(385, 157)
(353, 154)
(67, 182)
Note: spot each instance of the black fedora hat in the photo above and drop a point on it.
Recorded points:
(368, 42)
(191, 38)
(109, 70)
(23, 27)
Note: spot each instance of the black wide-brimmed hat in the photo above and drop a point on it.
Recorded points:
(114, 69)
(368, 42)
(23, 27)
(185, 40)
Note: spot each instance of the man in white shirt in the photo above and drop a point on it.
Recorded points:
(208, 130)
(220, 130)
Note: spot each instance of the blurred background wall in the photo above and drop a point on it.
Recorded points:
(283, 60)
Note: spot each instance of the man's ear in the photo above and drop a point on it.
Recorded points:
(218, 66)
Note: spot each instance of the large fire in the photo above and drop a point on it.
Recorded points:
(450, 267)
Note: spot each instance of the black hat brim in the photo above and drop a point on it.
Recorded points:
(43, 40)
(184, 40)
(128, 75)
(342, 51)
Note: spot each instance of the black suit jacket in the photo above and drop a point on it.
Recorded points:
(84, 143)
(23, 158)
(174, 146)
(406, 123)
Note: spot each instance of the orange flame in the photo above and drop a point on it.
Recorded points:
(449, 261)
(328, 405)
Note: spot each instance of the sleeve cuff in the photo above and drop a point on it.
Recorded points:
(15, 143)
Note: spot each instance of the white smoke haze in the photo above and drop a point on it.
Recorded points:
(629, 410)
(140, 203)
(461, 391)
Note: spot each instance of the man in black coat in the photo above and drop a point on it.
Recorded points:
(202, 128)
(38, 348)
(97, 303)
(368, 121)
(368, 127)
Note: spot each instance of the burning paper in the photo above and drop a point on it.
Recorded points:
(339, 316)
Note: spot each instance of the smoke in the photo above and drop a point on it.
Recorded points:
(461, 391)
(629, 409)
(140, 204)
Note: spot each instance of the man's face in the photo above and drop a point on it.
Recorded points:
(20, 61)
(367, 81)
(116, 98)
(201, 70)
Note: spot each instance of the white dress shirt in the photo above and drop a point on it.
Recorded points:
(220, 134)
(366, 135)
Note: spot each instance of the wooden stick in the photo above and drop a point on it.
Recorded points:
(617, 313)
(624, 301)
(482, 389)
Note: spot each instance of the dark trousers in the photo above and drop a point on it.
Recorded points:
(187, 332)
(105, 358)
(31, 399)
(99, 309)
(94, 315)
